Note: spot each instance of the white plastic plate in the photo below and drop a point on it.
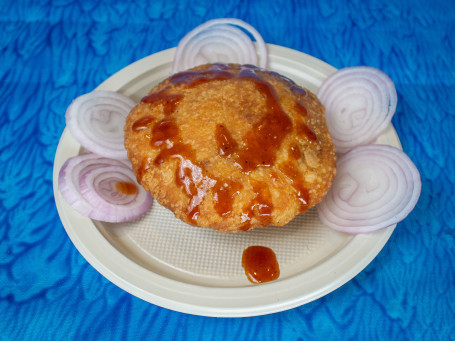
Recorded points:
(199, 271)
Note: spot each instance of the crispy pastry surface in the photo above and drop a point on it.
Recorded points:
(231, 147)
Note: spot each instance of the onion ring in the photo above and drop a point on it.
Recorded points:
(376, 186)
(218, 40)
(96, 121)
(88, 183)
(360, 102)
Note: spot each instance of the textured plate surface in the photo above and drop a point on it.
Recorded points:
(198, 271)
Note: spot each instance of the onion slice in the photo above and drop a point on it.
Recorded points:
(376, 186)
(219, 40)
(96, 121)
(90, 184)
(360, 102)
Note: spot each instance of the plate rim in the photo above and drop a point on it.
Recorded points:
(132, 278)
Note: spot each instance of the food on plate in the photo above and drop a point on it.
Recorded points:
(231, 147)
(360, 102)
(221, 41)
(102, 188)
(376, 186)
(234, 146)
(96, 121)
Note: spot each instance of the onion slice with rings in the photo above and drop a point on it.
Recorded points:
(376, 186)
(360, 102)
(96, 121)
(220, 40)
(90, 184)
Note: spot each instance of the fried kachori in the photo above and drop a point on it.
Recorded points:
(231, 147)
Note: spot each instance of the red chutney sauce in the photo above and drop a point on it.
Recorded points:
(126, 187)
(262, 142)
(225, 142)
(169, 101)
(142, 123)
(260, 264)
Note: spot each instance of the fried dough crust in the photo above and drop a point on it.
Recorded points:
(231, 147)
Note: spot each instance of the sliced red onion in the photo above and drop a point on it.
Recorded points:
(376, 186)
(96, 121)
(89, 183)
(218, 40)
(70, 173)
(360, 102)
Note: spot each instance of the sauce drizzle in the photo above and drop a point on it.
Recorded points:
(142, 123)
(261, 143)
(189, 173)
(260, 207)
(194, 78)
(289, 168)
(169, 101)
(303, 130)
(225, 142)
(224, 195)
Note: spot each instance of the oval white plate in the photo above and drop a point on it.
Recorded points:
(198, 271)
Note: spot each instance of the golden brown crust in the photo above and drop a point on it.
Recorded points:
(231, 147)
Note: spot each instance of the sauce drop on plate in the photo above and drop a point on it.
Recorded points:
(260, 264)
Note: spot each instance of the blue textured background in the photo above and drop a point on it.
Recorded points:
(53, 51)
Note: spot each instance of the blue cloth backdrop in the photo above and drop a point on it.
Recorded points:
(53, 51)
